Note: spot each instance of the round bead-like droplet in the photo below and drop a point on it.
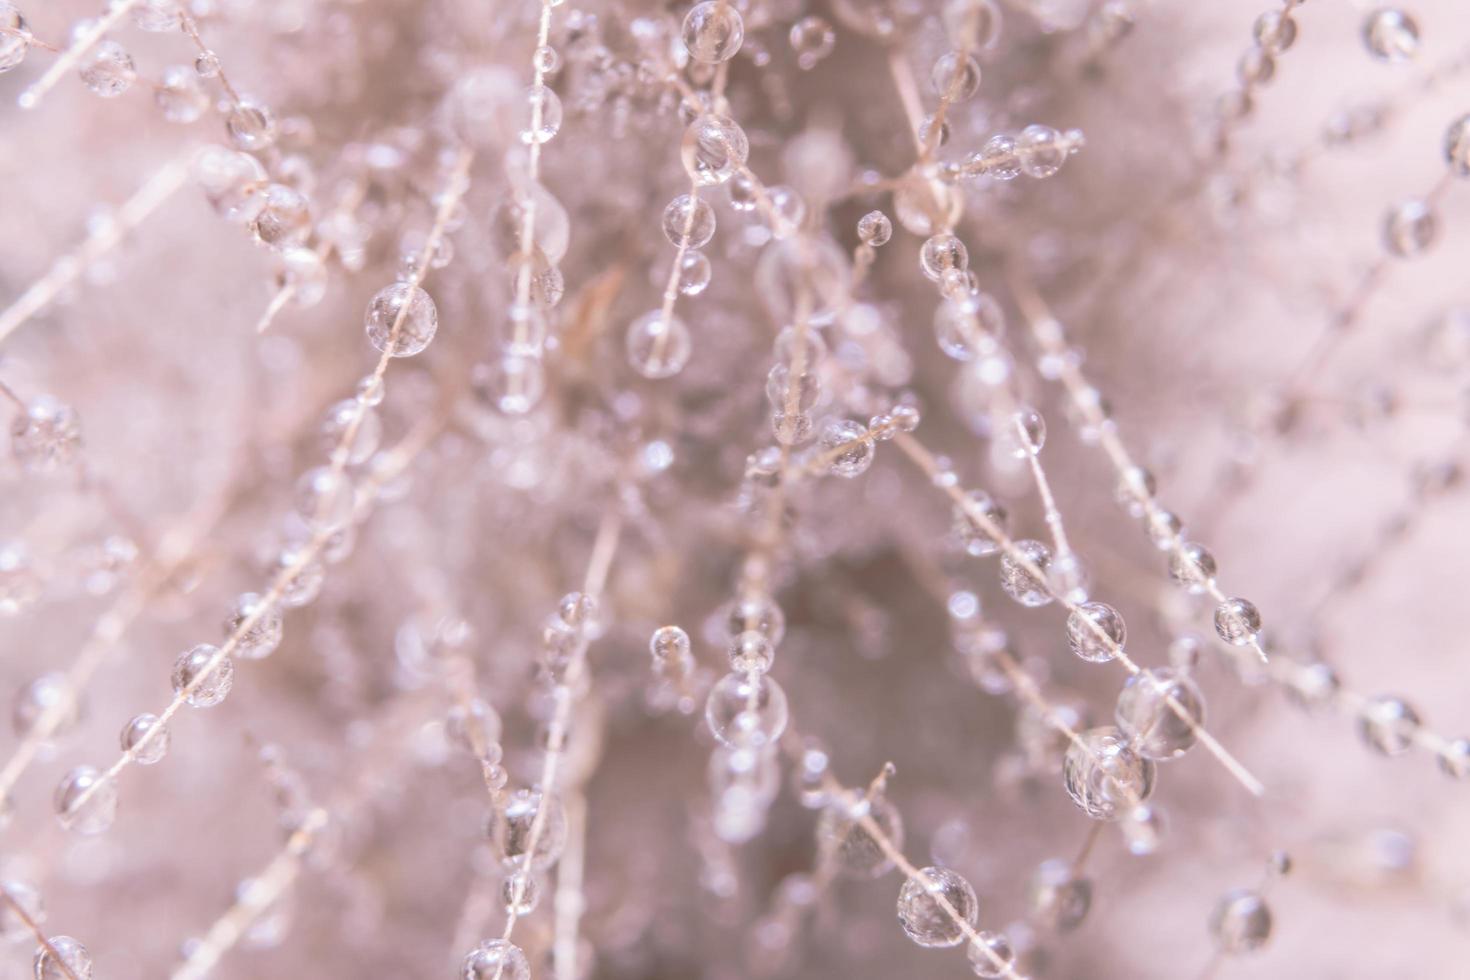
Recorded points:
(1058, 897)
(1409, 229)
(956, 76)
(751, 653)
(85, 802)
(1457, 146)
(1390, 35)
(746, 710)
(1275, 31)
(496, 959)
(251, 124)
(1143, 828)
(846, 447)
(210, 685)
(713, 31)
(1387, 725)
(1000, 159)
(357, 418)
(541, 115)
(401, 320)
(1104, 775)
(973, 522)
(922, 912)
(181, 97)
(875, 229)
(714, 147)
(669, 645)
(1193, 567)
(991, 955)
(1240, 922)
(263, 633)
(812, 39)
(657, 346)
(1237, 621)
(1095, 632)
(1157, 728)
(941, 254)
(1018, 573)
(694, 273)
(689, 220)
(324, 498)
(510, 828)
(15, 37)
(135, 735)
(63, 958)
(519, 893)
(46, 435)
(855, 851)
(1041, 151)
(108, 69)
(759, 613)
(48, 695)
(284, 218)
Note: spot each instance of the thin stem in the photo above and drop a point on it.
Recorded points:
(84, 43)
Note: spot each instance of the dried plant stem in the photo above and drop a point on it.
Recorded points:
(19, 911)
(264, 890)
(1047, 331)
(78, 49)
(65, 270)
(568, 902)
(926, 462)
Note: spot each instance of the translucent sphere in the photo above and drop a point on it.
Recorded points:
(207, 685)
(875, 229)
(751, 652)
(1409, 229)
(1095, 631)
(991, 955)
(658, 346)
(955, 76)
(284, 218)
(135, 735)
(1193, 567)
(745, 710)
(1240, 922)
(1058, 897)
(180, 97)
(50, 693)
(85, 802)
(263, 635)
(510, 829)
(1021, 582)
(714, 147)
(690, 221)
(849, 447)
(1025, 434)
(1000, 159)
(473, 726)
(1387, 725)
(550, 231)
(513, 383)
(1104, 775)
(303, 272)
(365, 425)
(713, 31)
(14, 37)
(973, 532)
(812, 39)
(1237, 621)
(1041, 151)
(46, 435)
(941, 254)
(1157, 729)
(924, 919)
(520, 893)
(251, 125)
(670, 645)
(972, 24)
(306, 574)
(1457, 146)
(324, 498)
(815, 270)
(1143, 828)
(64, 958)
(496, 959)
(541, 115)
(694, 273)
(759, 613)
(1390, 35)
(108, 69)
(1275, 31)
(842, 837)
(401, 320)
